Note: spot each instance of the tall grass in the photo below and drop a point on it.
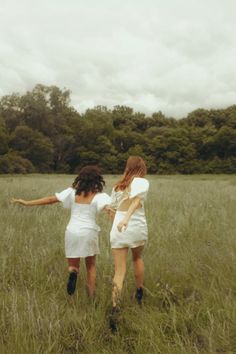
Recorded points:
(190, 264)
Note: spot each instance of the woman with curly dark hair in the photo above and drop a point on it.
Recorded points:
(85, 199)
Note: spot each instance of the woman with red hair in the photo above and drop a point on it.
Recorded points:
(129, 229)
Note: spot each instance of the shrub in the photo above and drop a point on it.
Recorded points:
(13, 163)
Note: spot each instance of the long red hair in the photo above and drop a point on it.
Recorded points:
(135, 167)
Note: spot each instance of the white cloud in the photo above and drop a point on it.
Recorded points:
(153, 55)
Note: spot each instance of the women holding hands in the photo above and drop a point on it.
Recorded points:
(129, 229)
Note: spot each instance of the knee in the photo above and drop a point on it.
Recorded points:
(73, 264)
(137, 258)
(137, 254)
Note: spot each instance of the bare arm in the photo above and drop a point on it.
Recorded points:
(133, 206)
(43, 201)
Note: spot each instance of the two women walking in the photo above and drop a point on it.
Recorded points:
(129, 229)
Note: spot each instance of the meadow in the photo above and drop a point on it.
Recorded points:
(190, 260)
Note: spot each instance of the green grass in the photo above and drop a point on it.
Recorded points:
(190, 262)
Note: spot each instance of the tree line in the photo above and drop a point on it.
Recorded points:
(41, 132)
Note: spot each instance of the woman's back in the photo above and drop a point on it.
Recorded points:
(135, 234)
(121, 199)
(83, 210)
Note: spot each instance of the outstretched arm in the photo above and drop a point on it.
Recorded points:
(42, 201)
(135, 204)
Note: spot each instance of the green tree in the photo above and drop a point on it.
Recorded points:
(4, 138)
(33, 146)
(11, 111)
(13, 163)
(43, 129)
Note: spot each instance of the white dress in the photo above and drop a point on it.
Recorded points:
(81, 236)
(136, 233)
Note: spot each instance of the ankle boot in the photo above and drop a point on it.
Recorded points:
(139, 295)
(71, 284)
(113, 319)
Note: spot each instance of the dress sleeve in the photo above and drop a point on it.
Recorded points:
(114, 200)
(102, 199)
(66, 197)
(139, 188)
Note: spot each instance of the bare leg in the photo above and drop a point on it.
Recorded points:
(91, 274)
(120, 257)
(138, 266)
(73, 264)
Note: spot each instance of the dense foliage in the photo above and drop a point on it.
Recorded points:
(41, 132)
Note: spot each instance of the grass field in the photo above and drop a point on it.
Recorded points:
(190, 261)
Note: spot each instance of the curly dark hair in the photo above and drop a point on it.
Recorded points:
(88, 180)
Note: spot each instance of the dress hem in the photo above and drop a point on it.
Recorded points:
(90, 255)
(138, 244)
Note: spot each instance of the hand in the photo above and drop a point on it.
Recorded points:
(110, 212)
(122, 226)
(19, 201)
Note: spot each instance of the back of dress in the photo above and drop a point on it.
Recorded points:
(136, 233)
(81, 236)
(82, 215)
(138, 188)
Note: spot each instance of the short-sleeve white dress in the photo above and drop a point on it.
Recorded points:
(136, 233)
(81, 236)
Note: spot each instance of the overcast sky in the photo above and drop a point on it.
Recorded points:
(168, 55)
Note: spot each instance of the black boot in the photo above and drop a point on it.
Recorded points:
(113, 319)
(139, 295)
(71, 285)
